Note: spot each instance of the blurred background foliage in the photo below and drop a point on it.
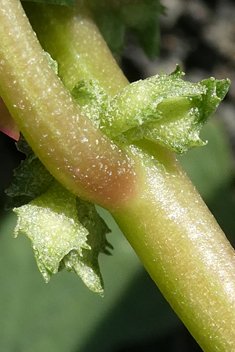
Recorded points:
(133, 316)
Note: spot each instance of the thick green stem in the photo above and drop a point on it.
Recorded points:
(180, 244)
(165, 220)
(88, 57)
(183, 249)
(72, 149)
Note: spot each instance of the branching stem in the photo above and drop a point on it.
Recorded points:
(164, 219)
(72, 149)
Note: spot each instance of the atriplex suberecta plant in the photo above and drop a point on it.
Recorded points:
(111, 144)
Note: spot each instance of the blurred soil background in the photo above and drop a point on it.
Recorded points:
(200, 37)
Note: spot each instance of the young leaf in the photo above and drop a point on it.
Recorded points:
(88, 267)
(64, 231)
(93, 99)
(56, 2)
(50, 221)
(183, 108)
(164, 109)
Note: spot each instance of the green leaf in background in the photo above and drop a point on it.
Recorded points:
(141, 17)
(56, 2)
(143, 20)
(112, 29)
(58, 225)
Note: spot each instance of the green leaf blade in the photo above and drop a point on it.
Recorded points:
(88, 267)
(65, 231)
(142, 19)
(50, 222)
(165, 110)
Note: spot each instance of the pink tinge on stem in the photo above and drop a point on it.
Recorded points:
(7, 123)
(109, 184)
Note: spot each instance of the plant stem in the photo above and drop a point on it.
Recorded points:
(88, 57)
(183, 249)
(72, 149)
(178, 241)
(165, 219)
